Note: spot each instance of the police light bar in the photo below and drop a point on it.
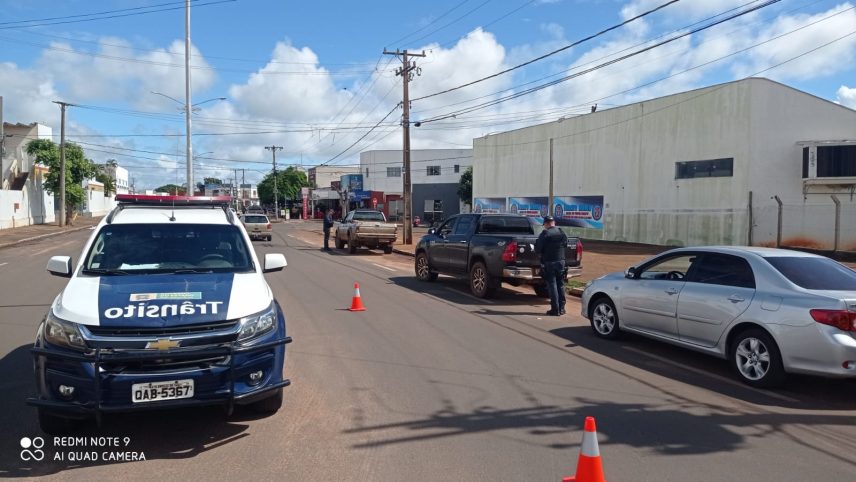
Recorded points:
(150, 199)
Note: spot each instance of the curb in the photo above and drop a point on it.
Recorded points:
(401, 251)
(42, 236)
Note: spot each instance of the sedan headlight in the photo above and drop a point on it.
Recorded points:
(63, 333)
(257, 325)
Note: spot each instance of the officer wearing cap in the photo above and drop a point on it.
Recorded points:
(551, 246)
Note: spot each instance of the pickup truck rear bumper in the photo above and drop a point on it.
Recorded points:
(532, 275)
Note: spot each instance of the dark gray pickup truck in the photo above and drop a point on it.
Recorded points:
(489, 249)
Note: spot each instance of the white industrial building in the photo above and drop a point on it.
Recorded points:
(718, 165)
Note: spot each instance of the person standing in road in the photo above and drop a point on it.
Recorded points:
(551, 246)
(328, 224)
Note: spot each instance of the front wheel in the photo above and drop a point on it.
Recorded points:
(756, 359)
(270, 404)
(604, 319)
(423, 269)
(482, 284)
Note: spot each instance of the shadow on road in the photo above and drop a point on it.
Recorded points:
(457, 290)
(167, 434)
(661, 431)
(714, 374)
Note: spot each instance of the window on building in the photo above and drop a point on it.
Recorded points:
(710, 168)
(457, 168)
(832, 161)
(433, 170)
(367, 172)
(393, 172)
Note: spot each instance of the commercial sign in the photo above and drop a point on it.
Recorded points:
(579, 211)
(534, 207)
(352, 182)
(489, 205)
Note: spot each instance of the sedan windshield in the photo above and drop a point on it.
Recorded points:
(815, 273)
(168, 248)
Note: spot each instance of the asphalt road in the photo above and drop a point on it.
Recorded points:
(432, 384)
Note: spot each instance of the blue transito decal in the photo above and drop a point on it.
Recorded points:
(161, 300)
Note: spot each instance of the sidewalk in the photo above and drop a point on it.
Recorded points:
(25, 234)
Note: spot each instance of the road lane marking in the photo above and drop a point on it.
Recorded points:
(3, 264)
(383, 267)
(721, 378)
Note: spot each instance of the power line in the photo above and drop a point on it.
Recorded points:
(447, 12)
(554, 52)
(503, 17)
(597, 67)
(111, 16)
(358, 140)
(451, 23)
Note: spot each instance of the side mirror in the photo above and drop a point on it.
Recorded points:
(60, 266)
(630, 272)
(274, 262)
(432, 231)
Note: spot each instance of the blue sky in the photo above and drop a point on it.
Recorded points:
(310, 76)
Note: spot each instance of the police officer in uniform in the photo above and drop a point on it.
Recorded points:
(551, 246)
(328, 224)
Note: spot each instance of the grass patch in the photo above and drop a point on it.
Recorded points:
(573, 283)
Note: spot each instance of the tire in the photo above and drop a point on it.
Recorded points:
(423, 269)
(54, 425)
(482, 284)
(387, 249)
(756, 358)
(352, 245)
(604, 319)
(541, 290)
(270, 404)
(270, 238)
(339, 243)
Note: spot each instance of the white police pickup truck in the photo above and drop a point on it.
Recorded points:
(168, 307)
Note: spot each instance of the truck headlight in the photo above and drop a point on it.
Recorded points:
(257, 325)
(63, 333)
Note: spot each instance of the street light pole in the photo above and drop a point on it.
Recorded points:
(187, 105)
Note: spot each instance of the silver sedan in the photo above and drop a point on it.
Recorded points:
(768, 311)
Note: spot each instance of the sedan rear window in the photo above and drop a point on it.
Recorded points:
(815, 273)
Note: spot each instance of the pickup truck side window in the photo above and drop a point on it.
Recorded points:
(463, 226)
(447, 227)
(505, 225)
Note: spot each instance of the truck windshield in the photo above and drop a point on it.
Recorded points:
(168, 248)
(368, 216)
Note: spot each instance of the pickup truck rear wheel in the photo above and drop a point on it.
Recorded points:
(352, 244)
(542, 291)
(339, 243)
(423, 269)
(387, 249)
(482, 284)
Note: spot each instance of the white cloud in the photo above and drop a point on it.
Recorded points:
(847, 96)
(28, 95)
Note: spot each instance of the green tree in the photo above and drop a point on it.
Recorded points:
(77, 169)
(173, 189)
(288, 184)
(465, 186)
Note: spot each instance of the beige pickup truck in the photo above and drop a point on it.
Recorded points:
(258, 226)
(367, 228)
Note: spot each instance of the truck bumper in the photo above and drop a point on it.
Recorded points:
(532, 275)
(221, 376)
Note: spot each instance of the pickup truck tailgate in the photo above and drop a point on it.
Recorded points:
(526, 255)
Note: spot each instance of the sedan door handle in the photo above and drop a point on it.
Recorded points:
(463, 241)
(672, 291)
(736, 299)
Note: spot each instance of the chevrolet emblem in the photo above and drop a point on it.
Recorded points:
(163, 344)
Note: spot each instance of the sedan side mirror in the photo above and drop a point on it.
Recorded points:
(432, 231)
(274, 262)
(60, 266)
(630, 272)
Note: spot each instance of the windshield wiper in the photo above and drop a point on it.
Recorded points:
(105, 272)
(188, 271)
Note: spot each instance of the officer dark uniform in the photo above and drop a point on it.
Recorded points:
(328, 224)
(551, 246)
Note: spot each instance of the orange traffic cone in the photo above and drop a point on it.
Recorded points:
(589, 465)
(357, 302)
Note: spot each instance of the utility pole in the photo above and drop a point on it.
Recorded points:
(550, 201)
(273, 150)
(62, 106)
(406, 71)
(188, 108)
